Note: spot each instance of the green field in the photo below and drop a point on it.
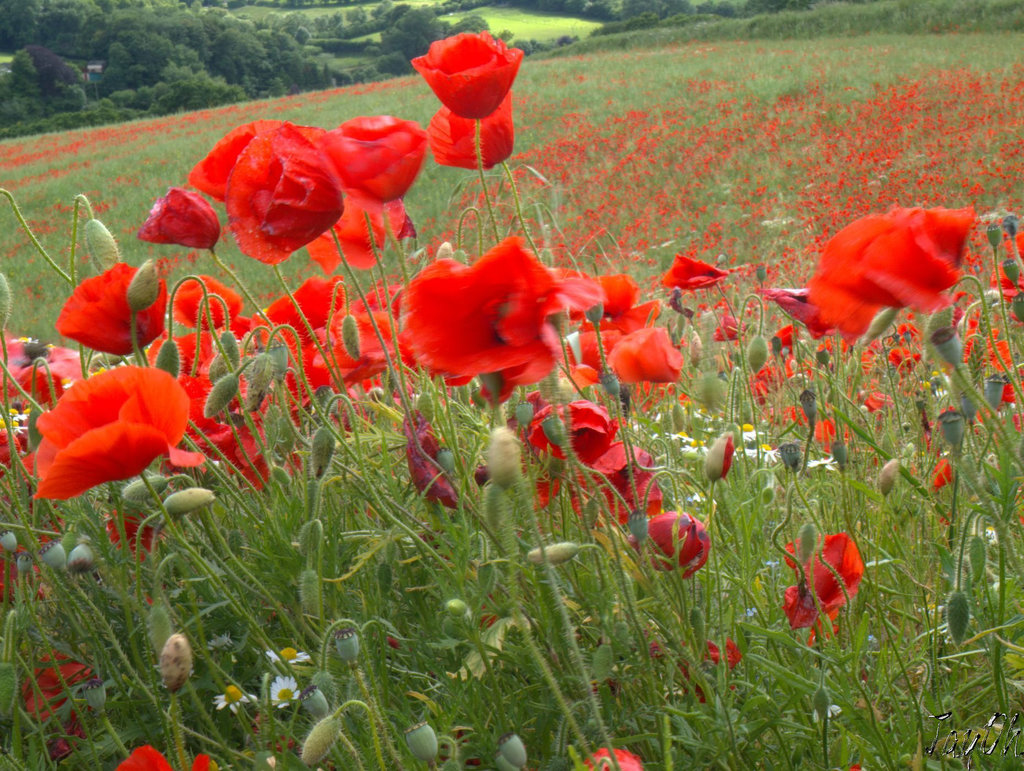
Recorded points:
(529, 26)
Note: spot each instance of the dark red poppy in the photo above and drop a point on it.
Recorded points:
(360, 244)
(45, 380)
(44, 692)
(376, 158)
(687, 273)
(601, 760)
(491, 317)
(281, 193)
(623, 474)
(189, 303)
(111, 427)
(646, 356)
(681, 539)
(470, 73)
(181, 217)
(148, 759)
(906, 257)
(116, 521)
(211, 174)
(799, 604)
(795, 302)
(421, 451)
(590, 430)
(97, 313)
(453, 138)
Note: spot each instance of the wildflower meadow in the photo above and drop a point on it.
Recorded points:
(520, 432)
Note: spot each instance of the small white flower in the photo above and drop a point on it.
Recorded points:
(218, 642)
(833, 710)
(289, 655)
(283, 691)
(232, 698)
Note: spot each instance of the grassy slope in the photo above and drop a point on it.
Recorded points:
(604, 101)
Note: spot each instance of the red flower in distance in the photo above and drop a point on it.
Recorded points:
(376, 158)
(130, 522)
(682, 540)
(355, 236)
(211, 174)
(470, 73)
(189, 304)
(44, 691)
(591, 430)
(621, 313)
(58, 366)
(453, 138)
(493, 316)
(687, 273)
(97, 313)
(906, 257)
(646, 356)
(111, 427)
(148, 759)
(181, 217)
(601, 761)
(841, 553)
(281, 194)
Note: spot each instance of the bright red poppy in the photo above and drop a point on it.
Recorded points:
(428, 476)
(312, 303)
(181, 217)
(470, 73)
(45, 380)
(97, 314)
(360, 243)
(682, 540)
(621, 313)
(376, 158)
(623, 474)
(281, 193)
(211, 174)
(943, 474)
(601, 761)
(189, 304)
(906, 257)
(111, 427)
(148, 759)
(453, 138)
(491, 317)
(795, 302)
(687, 273)
(590, 430)
(646, 356)
(799, 603)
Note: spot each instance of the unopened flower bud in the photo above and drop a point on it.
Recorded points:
(422, 742)
(52, 555)
(822, 702)
(456, 608)
(6, 303)
(1017, 306)
(346, 643)
(8, 687)
(887, 476)
(101, 245)
(220, 396)
(698, 625)
(719, 457)
(309, 593)
(555, 554)
(503, 458)
(958, 615)
(175, 662)
(168, 358)
(350, 336)
(320, 740)
(881, 322)
(840, 454)
(512, 750)
(188, 500)
(696, 349)
(806, 542)
(445, 251)
(158, 626)
(757, 354)
(144, 288)
(554, 430)
(321, 451)
(761, 273)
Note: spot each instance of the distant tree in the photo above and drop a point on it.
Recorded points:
(60, 23)
(52, 72)
(18, 22)
(412, 34)
(23, 81)
(472, 23)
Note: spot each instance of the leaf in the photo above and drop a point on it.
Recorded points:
(363, 558)
(494, 640)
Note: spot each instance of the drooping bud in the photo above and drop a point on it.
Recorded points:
(321, 451)
(976, 550)
(887, 476)
(6, 302)
(158, 625)
(101, 245)
(188, 500)
(422, 742)
(719, 457)
(168, 358)
(555, 554)
(309, 593)
(512, 750)
(144, 288)
(350, 336)
(757, 354)
(958, 615)
(947, 344)
(320, 740)
(881, 322)
(806, 542)
(840, 454)
(175, 662)
(220, 396)
(504, 458)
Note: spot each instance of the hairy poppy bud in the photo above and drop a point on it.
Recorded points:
(719, 457)
(229, 344)
(101, 245)
(757, 354)
(188, 500)
(696, 349)
(554, 430)
(709, 391)
(524, 414)
(503, 458)
(5, 301)
(8, 687)
(512, 750)
(976, 550)
(456, 608)
(175, 662)
(350, 336)
(326, 684)
(445, 251)
(887, 476)
(158, 626)
(309, 592)
(320, 740)
(958, 615)
(321, 452)
(881, 322)
(555, 554)
(422, 742)
(806, 542)
(223, 391)
(144, 288)
(168, 359)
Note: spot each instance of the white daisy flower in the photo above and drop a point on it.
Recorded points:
(232, 698)
(289, 655)
(283, 691)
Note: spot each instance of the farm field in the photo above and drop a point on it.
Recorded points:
(578, 476)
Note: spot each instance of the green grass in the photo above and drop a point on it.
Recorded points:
(530, 26)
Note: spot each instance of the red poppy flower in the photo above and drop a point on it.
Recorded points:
(646, 355)
(841, 553)
(623, 474)
(591, 430)
(97, 313)
(493, 316)
(712, 658)
(44, 381)
(211, 174)
(189, 303)
(281, 194)
(453, 138)
(601, 761)
(621, 313)
(687, 273)
(111, 427)
(181, 217)
(44, 692)
(906, 257)
(312, 303)
(682, 540)
(795, 302)
(470, 74)
(355, 237)
(148, 759)
(943, 474)
(728, 328)
(115, 521)
(376, 158)
(427, 475)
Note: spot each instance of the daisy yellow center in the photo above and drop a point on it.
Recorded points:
(285, 694)
(232, 694)
(747, 427)
(289, 654)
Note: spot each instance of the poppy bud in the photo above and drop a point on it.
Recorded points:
(168, 359)
(321, 451)
(52, 555)
(1010, 223)
(789, 454)
(223, 391)
(8, 540)
(976, 551)
(595, 313)
(719, 457)
(809, 405)
(5, 302)
(101, 245)
(81, 559)
(95, 693)
(144, 288)
(446, 460)
(445, 251)
(958, 615)
(229, 346)
(346, 643)
(881, 322)
(757, 354)
(840, 454)
(555, 554)
(350, 336)
(806, 542)
(309, 593)
(554, 430)
(601, 664)
(425, 406)
(610, 383)
(320, 740)
(8, 687)
(188, 500)
(524, 414)
(137, 493)
(887, 476)
(1017, 306)
(325, 683)
(776, 343)
(952, 424)
(175, 662)
(314, 702)
(709, 391)
(422, 742)
(761, 273)
(1012, 269)
(947, 343)
(503, 458)
(696, 349)
(158, 626)
(311, 535)
(512, 750)
(822, 702)
(678, 418)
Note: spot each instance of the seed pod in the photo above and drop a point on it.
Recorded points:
(52, 555)
(504, 458)
(188, 500)
(95, 692)
(314, 702)
(144, 288)
(168, 358)
(757, 354)
(346, 642)
(951, 421)
(101, 245)
(8, 540)
(947, 344)
(175, 662)
(512, 750)
(350, 336)
(555, 554)
(320, 740)
(958, 615)
(81, 559)
(422, 742)
(789, 454)
(809, 405)
(223, 391)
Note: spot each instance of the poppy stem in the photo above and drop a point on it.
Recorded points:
(483, 181)
(519, 207)
(32, 237)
